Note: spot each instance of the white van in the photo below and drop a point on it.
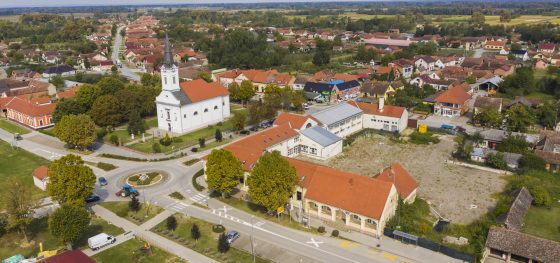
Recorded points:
(101, 240)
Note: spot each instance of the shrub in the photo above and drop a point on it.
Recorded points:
(334, 233)
(219, 124)
(134, 204)
(177, 195)
(218, 228)
(321, 229)
(171, 223)
(106, 166)
(201, 142)
(114, 139)
(426, 138)
(156, 147)
(531, 161)
(191, 162)
(178, 139)
(194, 183)
(195, 232)
(101, 133)
(223, 245)
(541, 197)
(166, 140)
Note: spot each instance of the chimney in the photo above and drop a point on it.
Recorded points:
(381, 103)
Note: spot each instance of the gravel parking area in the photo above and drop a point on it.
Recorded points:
(457, 193)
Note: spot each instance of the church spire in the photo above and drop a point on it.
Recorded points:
(167, 56)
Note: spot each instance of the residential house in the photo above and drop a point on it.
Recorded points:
(404, 66)
(495, 45)
(492, 137)
(378, 89)
(427, 63)
(299, 82)
(41, 177)
(541, 64)
(382, 42)
(482, 103)
(481, 155)
(382, 117)
(504, 245)
(342, 119)
(334, 92)
(452, 102)
(469, 43)
(259, 78)
(548, 148)
(103, 66)
(60, 70)
(405, 184)
(521, 54)
(431, 80)
(525, 101)
(52, 57)
(29, 113)
(548, 48)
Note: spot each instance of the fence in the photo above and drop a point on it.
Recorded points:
(428, 244)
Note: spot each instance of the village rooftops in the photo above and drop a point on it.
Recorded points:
(336, 113)
(531, 247)
(373, 109)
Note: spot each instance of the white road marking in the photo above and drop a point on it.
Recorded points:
(260, 223)
(314, 242)
(178, 206)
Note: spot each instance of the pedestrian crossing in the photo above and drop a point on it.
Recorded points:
(178, 207)
(199, 198)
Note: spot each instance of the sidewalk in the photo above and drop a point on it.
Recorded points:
(143, 232)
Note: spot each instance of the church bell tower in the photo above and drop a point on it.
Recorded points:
(169, 71)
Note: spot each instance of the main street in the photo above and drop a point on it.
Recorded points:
(179, 178)
(124, 69)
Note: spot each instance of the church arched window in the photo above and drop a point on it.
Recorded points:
(195, 113)
(206, 110)
(216, 107)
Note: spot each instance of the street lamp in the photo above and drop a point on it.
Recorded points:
(252, 246)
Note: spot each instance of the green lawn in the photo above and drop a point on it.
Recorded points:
(208, 240)
(186, 140)
(12, 127)
(38, 232)
(543, 222)
(122, 133)
(261, 212)
(18, 164)
(121, 208)
(48, 131)
(129, 251)
(151, 122)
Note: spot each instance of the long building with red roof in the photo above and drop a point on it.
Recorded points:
(35, 114)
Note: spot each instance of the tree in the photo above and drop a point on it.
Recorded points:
(547, 115)
(218, 135)
(134, 204)
(69, 223)
(496, 160)
(298, 99)
(156, 147)
(86, 95)
(541, 196)
(78, 130)
(105, 111)
(114, 70)
(233, 89)
(87, 64)
(477, 18)
(136, 125)
(471, 79)
(488, 117)
(171, 223)
(246, 91)
(223, 244)
(272, 181)
(513, 144)
(70, 181)
(201, 142)
(519, 118)
(531, 161)
(522, 82)
(18, 206)
(223, 171)
(321, 58)
(238, 120)
(195, 232)
(57, 81)
(66, 107)
(256, 112)
(205, 76)
(110, 85)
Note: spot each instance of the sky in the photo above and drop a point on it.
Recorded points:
(51, 3)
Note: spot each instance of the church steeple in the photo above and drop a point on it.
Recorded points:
(167, 55)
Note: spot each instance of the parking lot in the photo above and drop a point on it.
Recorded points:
(458, 193)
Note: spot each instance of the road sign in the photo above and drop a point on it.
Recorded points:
(280, 210)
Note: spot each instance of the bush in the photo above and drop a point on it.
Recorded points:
(334, 233)
(101, 133)
(201, 142)
(191, 162)
(171, 223)
(106, 166)
(194, 183)
(156, 147)
(123, 212)
(531, 161)
(223, 245)
(321, 229)
(177, 195)
(166, 140)
(114, 139)
(541, 196)
(218, 229)
(425, 138)
(134, 204)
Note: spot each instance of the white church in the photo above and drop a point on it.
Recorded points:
(188, 106)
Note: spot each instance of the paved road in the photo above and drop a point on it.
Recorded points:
(125, 70)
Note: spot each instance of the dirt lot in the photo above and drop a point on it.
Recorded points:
(450, 189)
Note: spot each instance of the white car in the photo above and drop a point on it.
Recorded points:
(101, 240)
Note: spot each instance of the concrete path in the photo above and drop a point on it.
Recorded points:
(143, 233)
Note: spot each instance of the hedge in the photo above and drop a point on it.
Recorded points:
(194, 183)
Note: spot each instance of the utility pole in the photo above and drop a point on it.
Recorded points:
(252, 246)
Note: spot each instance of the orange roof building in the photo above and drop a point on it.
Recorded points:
(41, 177)
(406, 185)
(452, 102)
(31, 113)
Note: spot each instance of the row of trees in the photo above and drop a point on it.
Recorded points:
(518, 117)
(271, 183)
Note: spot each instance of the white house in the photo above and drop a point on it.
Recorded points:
(41, 177)
(342, 119)
(187, 106)
(383, 117)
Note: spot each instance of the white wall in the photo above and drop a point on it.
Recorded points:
(347, 126)
(378, 122)
(321, 152)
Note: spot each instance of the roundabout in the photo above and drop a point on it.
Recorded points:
(146, 179)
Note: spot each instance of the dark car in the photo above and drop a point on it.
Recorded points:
(245, 132)
(254, 128)
(102, 181)
(232, 236)
(92, 198)
(194, 149)
(18, 137)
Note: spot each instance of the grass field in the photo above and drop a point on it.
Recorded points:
(18, 164)
(38, 232)
(121, 208)
(543, 222)
(208, 240)
(12, 127)
(129, 252)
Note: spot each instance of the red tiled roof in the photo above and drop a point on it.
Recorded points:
(29, 108)
(384, 70)
(455, 95)
(495, 43)
(373, 109)
(345, 77)
(351, 192)
(70, 93)
(199, 90)
(41, 172)
(397, 175)
(72, 256)
(295, 120)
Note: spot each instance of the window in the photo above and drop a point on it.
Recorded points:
(356, 217)
(314, 151)
(168, 115)
(173, 79)
(370, 221)
(195, 113)
(184, 115)
(298, 195)
(40, 122)
(206, 110)
(216, 107)
(165, 80)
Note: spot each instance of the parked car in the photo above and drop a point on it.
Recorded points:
(194, 149)
(17, 137)
(101, 240)
(232, 236)
(102, 181)
(245, 132)
(254, 128)
(92, 198)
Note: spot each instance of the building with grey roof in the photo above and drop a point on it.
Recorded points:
(320, 135)
(341, 119)
(512, 246)
(319, 143)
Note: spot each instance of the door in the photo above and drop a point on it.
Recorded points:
(169, 126)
